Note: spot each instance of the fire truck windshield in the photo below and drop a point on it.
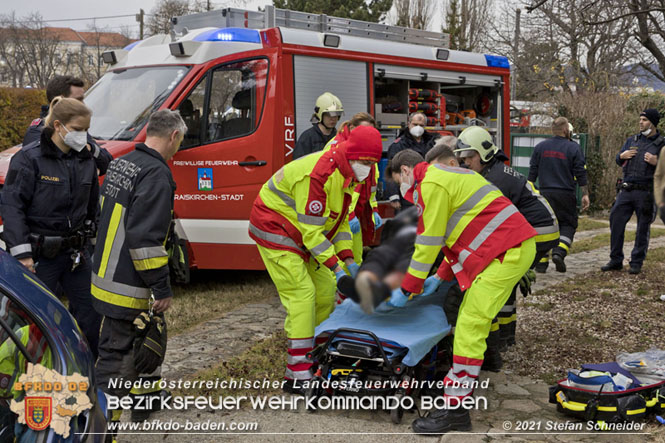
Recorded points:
(122, 100)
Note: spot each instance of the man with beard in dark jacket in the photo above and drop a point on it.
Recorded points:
(414, 137)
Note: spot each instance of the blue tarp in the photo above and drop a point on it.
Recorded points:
(418, 326)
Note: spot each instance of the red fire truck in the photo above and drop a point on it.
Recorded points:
(245, 82)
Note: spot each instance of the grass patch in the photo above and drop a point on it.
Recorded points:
(265, 360)
(601, 240)
(213, 293)
(589, 224)
(589, 319)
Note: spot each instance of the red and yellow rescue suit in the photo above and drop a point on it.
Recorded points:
(300, 224)
(488, 246)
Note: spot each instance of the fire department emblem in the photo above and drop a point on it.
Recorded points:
(315, 207)
(38, 412)
(419, 209)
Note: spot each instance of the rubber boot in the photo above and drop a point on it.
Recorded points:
(442, 421)
(493, 361)
(153, 403)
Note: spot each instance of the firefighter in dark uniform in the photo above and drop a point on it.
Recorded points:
(327, 111)
(49, 205)
(559, 166)
(476, 151)
(72, 87)
(413, 137)
(638, 158)
(131, 262)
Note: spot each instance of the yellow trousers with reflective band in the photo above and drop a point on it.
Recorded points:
(486, 296)
(306, 289)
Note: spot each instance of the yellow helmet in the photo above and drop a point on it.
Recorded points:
(475, 138)
(327, 103)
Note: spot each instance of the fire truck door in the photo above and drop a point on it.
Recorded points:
(223, 160)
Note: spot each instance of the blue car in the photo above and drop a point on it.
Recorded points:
(35, 327)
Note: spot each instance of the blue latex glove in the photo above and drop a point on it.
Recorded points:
(339, 274)
(378, 221)
(397, 298)
(353, 269)
(432, 283)
(354, 224)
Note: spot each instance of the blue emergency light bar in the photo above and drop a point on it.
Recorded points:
(131, 45)
(229, 35)
(497, 61)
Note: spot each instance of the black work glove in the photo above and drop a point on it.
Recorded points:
(526, 281)
(150, 342)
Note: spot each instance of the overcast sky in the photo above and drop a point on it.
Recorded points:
(52, 10)
(55, 10)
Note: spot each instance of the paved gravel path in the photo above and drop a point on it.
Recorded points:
(512, 400)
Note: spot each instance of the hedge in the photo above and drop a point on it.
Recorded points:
(18, 107)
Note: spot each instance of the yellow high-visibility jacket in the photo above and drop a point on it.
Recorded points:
(465, 215)
(304, 208)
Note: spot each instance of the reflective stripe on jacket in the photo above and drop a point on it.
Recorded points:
(529, 202)
(304, 208)
(467, 216)
(131, 260)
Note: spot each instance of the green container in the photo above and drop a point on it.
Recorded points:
(521, 148)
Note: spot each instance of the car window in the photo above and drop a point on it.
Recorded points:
(21, 341)
(236, 93)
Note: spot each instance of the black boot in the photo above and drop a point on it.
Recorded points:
(153, 402)
(559, 262)
(295, 387)
(347, 287)
(493, 361)
(541, 267)
(443, 420)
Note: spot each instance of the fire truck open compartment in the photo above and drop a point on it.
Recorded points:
(464, 99)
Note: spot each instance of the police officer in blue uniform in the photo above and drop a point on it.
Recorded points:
(67, 86)
(49, 204)
(638, 158)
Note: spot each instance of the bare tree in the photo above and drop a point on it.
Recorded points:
(415, 14)
(31, 50)
(467, 22)
(95, 42)
(161, 15)
(647, 20)
(558, 49)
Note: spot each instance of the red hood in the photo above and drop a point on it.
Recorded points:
(115, 147)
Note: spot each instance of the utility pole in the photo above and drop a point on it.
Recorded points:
(139, 18)
(516, 52)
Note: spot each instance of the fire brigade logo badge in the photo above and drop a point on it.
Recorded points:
(315, 207)
(419, 209)
(38, 412)
(205, 179)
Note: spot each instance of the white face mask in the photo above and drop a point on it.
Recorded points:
(75, 139)
(647, 132)
(405, 186)
(417, 131)
(361, 171)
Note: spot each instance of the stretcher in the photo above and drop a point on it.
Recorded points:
(383, 353)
